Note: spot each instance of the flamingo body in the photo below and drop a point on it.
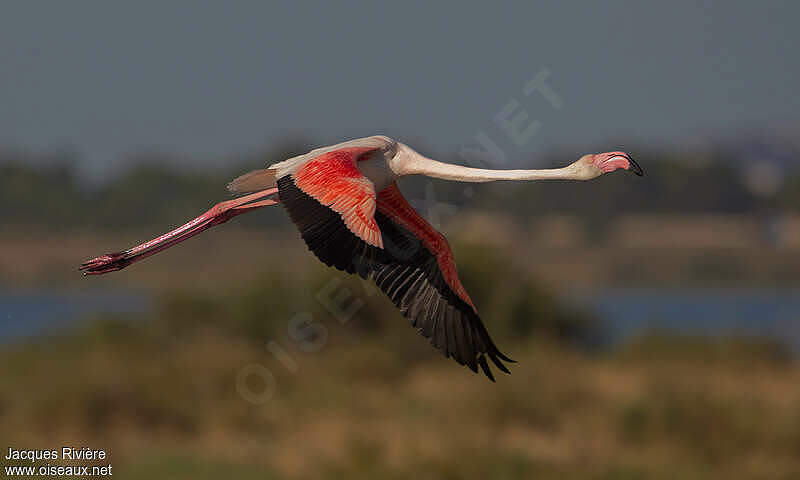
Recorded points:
(345, 202)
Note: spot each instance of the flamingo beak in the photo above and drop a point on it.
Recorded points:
(611, 161)
(634, 167)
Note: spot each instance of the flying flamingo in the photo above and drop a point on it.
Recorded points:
(346, 204)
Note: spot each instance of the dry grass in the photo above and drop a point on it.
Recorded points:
(376, 401)
(560, 415)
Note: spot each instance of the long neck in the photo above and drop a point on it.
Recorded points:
(419, 165)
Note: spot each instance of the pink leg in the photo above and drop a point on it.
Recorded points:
(219, 213)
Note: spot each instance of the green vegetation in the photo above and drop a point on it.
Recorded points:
(374, 400)
(158, 192)
(369, 397)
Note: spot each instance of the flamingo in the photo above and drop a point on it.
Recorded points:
(345, 201)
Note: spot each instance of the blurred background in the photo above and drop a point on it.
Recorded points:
(655, 321)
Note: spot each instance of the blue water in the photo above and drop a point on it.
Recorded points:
(626, 312)
(24, 314)
(737, 312)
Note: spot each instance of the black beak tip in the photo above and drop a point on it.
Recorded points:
(635, 168)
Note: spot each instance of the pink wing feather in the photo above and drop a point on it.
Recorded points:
(334, 181)
(392, 203)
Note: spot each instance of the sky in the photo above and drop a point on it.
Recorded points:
(207, 80)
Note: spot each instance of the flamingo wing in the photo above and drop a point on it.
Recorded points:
(349, 227)
(334, 181)
(420, 278)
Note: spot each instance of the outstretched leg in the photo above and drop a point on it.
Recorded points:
(219, 213)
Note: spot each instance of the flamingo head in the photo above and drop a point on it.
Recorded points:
(595, 164)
